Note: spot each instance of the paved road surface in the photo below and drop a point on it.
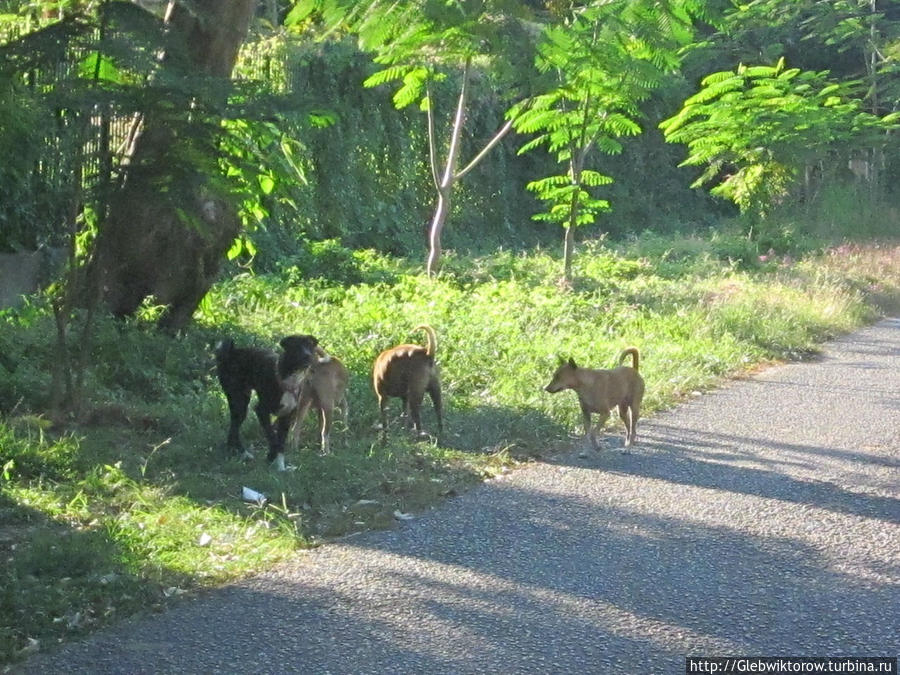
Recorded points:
(761, 519)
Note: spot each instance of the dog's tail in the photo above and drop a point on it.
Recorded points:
(635, 356)
(432, 338)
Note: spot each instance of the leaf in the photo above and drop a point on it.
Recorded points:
(266, 184)
(594, 179)
(237, 246)
(100, 67)
(716, 89)
(387, 75)
(760, 71)
(301, 11)
(413, 85)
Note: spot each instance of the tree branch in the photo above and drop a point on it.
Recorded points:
(487, 148)
(432, 152)
(459, 121)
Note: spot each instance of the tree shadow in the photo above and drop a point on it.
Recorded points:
(703, 459)
(524, 432)
(59, 582)
(522, 580)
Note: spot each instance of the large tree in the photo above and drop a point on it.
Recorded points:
(171, 221)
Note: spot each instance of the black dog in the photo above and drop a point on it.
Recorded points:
(243, 370)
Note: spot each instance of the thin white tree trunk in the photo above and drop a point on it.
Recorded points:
(445, 181)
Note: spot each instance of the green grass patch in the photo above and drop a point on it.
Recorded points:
(135, 501)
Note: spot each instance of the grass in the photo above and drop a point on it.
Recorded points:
(135, 502)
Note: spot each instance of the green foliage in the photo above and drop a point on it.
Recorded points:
(570, 203)
(857, 40)
(606, 59)
(365, 176)
(763, 124)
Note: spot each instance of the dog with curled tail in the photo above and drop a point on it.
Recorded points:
(599, 391)
(408, 372)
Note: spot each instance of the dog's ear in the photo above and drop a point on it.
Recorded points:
(223, 347)
(571, 363)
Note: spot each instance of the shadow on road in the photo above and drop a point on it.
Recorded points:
(582, 582)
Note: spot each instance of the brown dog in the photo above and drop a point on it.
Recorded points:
(599, 391)
(323, 385)
(407, 372)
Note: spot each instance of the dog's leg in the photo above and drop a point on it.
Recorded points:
(237, 411)
(276, 435)
(405, 414)
(635, 413)
(415, 410)
(602, 417)
(264, 415)
(588, 429)
(626, 415)
(276, 452)
(382, 408)
(345, 410)
(434, 392)
(297, 421)
(326, 412)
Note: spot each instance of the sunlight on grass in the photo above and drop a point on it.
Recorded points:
(137, 502)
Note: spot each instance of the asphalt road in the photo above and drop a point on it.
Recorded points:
(760, 519)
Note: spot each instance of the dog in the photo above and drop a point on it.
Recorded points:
(323, 385)
(244, 370)
(599, 391)
(408, 372)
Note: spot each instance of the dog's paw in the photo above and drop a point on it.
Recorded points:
(278, 462)
(246, 456)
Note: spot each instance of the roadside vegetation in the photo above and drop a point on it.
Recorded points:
(135, 502)
(523, 176)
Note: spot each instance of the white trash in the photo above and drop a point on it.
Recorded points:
(250, 495)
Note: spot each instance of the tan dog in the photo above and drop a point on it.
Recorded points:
(322, 386)
(599, 391)
(407, 372)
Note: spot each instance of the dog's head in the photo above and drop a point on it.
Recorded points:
(298, 353)
(563, 378)
(291, 393)
(223, 349)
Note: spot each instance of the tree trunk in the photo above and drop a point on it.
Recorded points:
(437, 227)
(568, 252)
(449, 177)
(445, 182)
(576, 165)
(146, 248)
